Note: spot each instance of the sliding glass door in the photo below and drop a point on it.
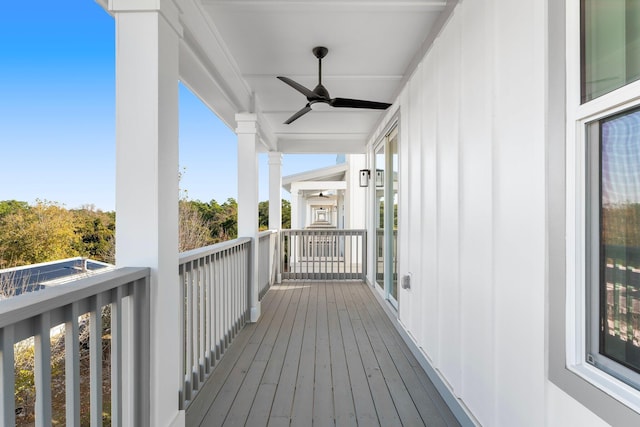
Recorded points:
(386, 215)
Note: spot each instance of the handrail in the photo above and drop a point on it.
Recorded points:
(323, 254)
(211, 249)
(35, 314)
(31, 304)
(214, 291)
(215, 286)
(266, 233)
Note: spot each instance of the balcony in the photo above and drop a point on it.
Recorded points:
(323, 351)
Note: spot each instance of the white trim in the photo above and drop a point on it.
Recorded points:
(169, 9)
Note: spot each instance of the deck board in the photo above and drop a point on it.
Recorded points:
(324, 354)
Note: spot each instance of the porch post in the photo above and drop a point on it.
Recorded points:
(147, 44)
(248, 140)
(295, 209)
(275, 202)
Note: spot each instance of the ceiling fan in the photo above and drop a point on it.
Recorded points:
(320, 194)
(321, 95)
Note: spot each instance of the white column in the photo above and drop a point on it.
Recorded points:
(248, 140)
(295, 214)
(275, 202)
(275, 191)
(147, 44)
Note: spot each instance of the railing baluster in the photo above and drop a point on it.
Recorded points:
(202, 326)
(32, 316)
(72, 365)
(42, 342)
(214, 282)
(218, 305)
(142, 343)
(95, 360)
(116, 359)
(7, 376)
(225, 298)
(183, 345)
(195, 374)
(207, 307)
(188, 333)
(323, 254)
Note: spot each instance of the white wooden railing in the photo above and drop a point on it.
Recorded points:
(39, 316)
(215, 290)
(267, 241)
(323, 254)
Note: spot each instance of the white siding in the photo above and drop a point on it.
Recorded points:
(472, 213)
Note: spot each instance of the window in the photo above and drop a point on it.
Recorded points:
(603, 209)
(610, 45)
(585, 128)
(613, 245)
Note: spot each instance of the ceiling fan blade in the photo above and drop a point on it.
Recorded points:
(299, 114)
(297, 86)
(358, 103)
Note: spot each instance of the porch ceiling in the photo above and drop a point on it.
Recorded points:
(236, 48)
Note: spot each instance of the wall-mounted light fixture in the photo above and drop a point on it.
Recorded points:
(365, 174)
(379, 178)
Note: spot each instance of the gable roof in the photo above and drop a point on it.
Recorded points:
(329, 173)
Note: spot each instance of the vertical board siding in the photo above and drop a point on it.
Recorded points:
(448, 78)
(427, 330)
(473, 114)
(519, 229)
(476, 200)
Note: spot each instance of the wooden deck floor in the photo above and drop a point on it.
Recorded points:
(324, 354)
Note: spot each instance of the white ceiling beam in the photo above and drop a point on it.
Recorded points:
(316, 185)
(205, 43)
(321, 146)
(422, 5)
(326, 76)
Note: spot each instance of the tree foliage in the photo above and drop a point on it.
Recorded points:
(263, 215)
(222, 219)
(96, 231)
(194, 229)
(39, 233)
(47, 231)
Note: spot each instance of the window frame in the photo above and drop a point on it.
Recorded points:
(609, 391)
(581, 323)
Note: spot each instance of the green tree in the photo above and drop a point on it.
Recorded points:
(194, 231)
(263, 214)
(12, 206)
(44, 232)
(222, 219)
(96, 231)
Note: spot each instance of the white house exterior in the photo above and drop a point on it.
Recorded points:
(486, 115)
(329, 197)
(488, 199)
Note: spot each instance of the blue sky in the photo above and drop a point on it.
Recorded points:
(57, 114)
